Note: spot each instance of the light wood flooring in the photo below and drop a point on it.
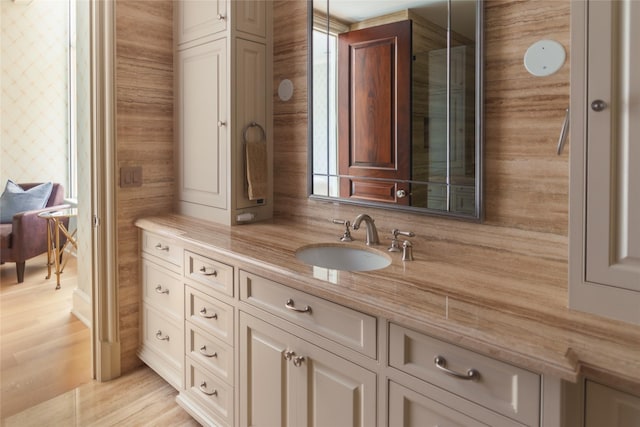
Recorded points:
(140, 398)
(44, 349)
(45, 364)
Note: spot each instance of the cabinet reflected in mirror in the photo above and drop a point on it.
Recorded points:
(395, 104)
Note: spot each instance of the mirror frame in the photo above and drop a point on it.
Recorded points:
(479, 131)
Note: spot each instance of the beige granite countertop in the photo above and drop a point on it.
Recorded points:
(499, 299)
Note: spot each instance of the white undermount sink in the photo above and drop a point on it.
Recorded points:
(342, 257)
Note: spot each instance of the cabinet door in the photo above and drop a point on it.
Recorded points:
(605, 197)
(612, 408)
(264, 374)
(251, 94)
(202, 123)
(286, 381)
(199, 18)
(333, 391)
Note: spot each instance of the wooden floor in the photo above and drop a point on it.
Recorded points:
(140, 398)
(45, 364)
(44, 349)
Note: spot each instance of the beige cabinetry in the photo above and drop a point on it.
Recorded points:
(162, 331)
(454, 377)
(286, 380)
(223, 99)
(605, 406)
(208, 394)
(245, 349)
(605, 129)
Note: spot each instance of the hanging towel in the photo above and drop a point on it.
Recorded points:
(257, 176)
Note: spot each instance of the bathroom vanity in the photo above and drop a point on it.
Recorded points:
(249, 335)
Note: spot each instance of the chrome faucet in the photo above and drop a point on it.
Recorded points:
(372, 231)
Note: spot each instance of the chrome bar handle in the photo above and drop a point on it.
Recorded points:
(162, 248)
(203, 351)
(441, 363)
(160, 291)
(291, 306)
(160, 337)
(203, 313)
(203, 388)
(563, 133)
(203, 271)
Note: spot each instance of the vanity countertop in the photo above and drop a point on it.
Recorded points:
(501, 300)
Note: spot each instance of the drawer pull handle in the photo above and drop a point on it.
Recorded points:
(203, 313)
(160, 337)
(160, 291)
(203, 351)
(203, 270)
(162, 248)
(441, 363)
(203, 388)
(291, 306)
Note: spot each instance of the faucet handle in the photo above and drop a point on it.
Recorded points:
(407, 251)
(395, 246)
(346, 236)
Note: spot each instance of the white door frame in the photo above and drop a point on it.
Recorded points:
(105, 332)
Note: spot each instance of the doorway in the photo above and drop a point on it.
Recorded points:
(46, 109)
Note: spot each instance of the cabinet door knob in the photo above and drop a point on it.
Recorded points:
(221, 123)
(221, 17)
(401, 194)
(297, 361)
(598, 105)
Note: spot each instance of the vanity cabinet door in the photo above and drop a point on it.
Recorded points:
(287, 381)
(605, 128)
(609, 407)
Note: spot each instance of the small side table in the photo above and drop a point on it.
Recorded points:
(55, 227)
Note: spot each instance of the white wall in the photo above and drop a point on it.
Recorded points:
(33, 106)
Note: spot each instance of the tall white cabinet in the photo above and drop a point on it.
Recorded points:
(223, 86)
(605, 159)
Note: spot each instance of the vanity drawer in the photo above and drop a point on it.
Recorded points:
(162, 247)
(215, 396)
(212, 315)
(163, 336)
(212, 273)
(341, 324)
(162, 288)
(212, 353)
(499, 386)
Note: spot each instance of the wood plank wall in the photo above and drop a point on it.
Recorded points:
(144, 120)
(526, 183)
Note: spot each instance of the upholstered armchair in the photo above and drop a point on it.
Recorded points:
(26, 236)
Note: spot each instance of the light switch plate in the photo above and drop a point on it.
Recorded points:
(130, 176)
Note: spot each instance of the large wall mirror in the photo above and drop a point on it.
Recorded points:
(395, 104)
